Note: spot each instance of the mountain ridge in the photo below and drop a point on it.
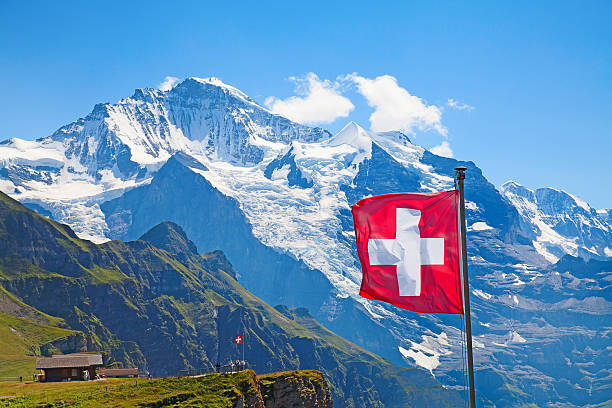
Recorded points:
(560, 223)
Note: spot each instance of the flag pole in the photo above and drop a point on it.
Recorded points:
(460, 176)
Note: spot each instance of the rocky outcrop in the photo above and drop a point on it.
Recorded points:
(306, 388)
(286, 389)
(74, 343)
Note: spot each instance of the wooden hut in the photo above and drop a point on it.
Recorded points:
(70, 367)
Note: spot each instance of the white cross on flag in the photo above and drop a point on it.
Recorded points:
(238, 339)
(408, 245)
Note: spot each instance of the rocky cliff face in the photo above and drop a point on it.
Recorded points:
(307, 389)
(287, 389)
(70, 344)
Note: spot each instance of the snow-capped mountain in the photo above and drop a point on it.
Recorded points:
(127, 139)
(275, 196)
(120, 145)
(560, 223)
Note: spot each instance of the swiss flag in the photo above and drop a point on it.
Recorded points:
(238, 339)
(408, 245)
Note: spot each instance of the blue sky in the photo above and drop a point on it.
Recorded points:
(538, 75)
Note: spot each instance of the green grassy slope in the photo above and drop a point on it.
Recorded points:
(213, 391)
(210, 391)
(21, 341)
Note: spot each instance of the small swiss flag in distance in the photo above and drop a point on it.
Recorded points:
(238, 339)
(408, 246)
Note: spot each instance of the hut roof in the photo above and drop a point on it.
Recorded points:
(109, 372)
(69, 360)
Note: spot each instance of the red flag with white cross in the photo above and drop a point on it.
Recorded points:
(238, 339)
(408, 246)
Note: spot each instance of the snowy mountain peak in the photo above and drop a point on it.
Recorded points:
(559, 200)
(513, 188)
(216, 82)
(353, 135)
(559, 223)
(197, 116)
(100, 110)
(122, 144)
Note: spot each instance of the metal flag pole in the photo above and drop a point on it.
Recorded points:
(460, 176)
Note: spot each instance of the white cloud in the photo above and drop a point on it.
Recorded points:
(395, 108)
(320, 102)
(168, 83)
(459, 105)
(443, 149)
